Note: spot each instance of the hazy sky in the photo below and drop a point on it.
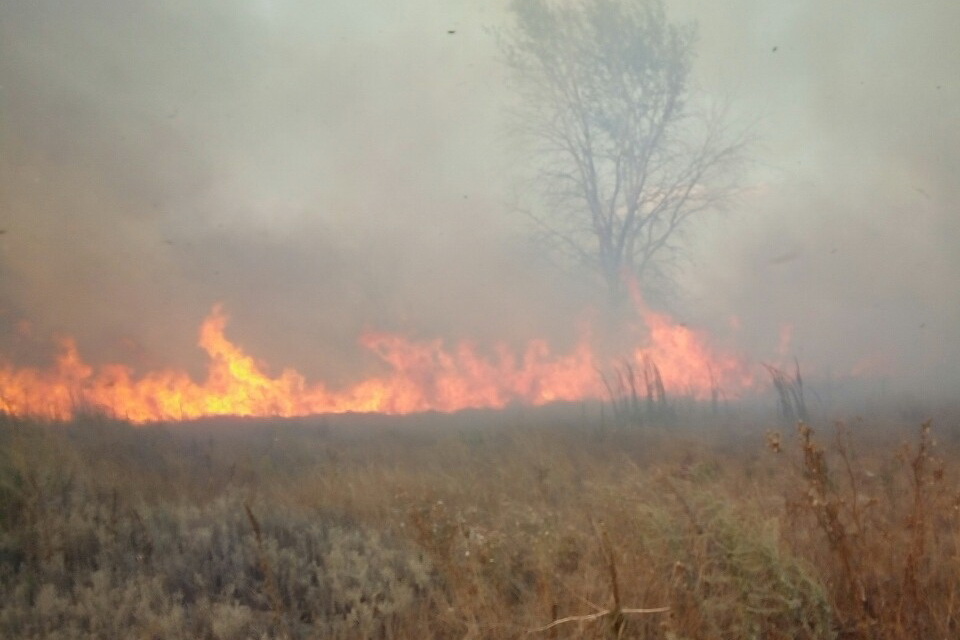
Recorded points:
(324, 167)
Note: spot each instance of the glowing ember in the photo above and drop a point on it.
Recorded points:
(422, 376)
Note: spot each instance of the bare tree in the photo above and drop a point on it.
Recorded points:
(625, 162)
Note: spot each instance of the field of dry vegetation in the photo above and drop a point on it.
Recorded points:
(509, 525)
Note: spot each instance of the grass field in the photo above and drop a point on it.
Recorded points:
(510, 524)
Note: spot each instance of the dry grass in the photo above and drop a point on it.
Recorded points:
(477, 531)
(884, 531)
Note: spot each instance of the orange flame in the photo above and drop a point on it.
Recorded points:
(422, 376)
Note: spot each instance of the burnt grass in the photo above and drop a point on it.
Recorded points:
(546, 523)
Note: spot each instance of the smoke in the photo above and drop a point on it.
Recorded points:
(319, 169)
(849, 229)
(322, 168)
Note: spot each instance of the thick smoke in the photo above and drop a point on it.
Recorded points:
(326, 167)
(849, 231)
(319, 169)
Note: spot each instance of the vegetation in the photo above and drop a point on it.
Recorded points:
(627, 160)
(456, 526)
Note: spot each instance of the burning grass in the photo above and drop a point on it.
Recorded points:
(414, 376)
(481, 530)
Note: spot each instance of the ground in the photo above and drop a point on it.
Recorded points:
(706, 523)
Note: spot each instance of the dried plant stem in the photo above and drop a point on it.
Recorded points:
(272, 588)
(597, 616)
(912, 596)
(616, 614)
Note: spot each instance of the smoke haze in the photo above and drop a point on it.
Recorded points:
(326, 167)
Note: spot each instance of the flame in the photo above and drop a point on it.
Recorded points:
(683, 356)
(420, 376)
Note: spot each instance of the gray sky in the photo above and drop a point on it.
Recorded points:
(324, 167)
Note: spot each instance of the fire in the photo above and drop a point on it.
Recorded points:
(686, 362)
(420, 376)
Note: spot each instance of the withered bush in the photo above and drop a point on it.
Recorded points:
(81, 557)
(883, 530)
(513, 531)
